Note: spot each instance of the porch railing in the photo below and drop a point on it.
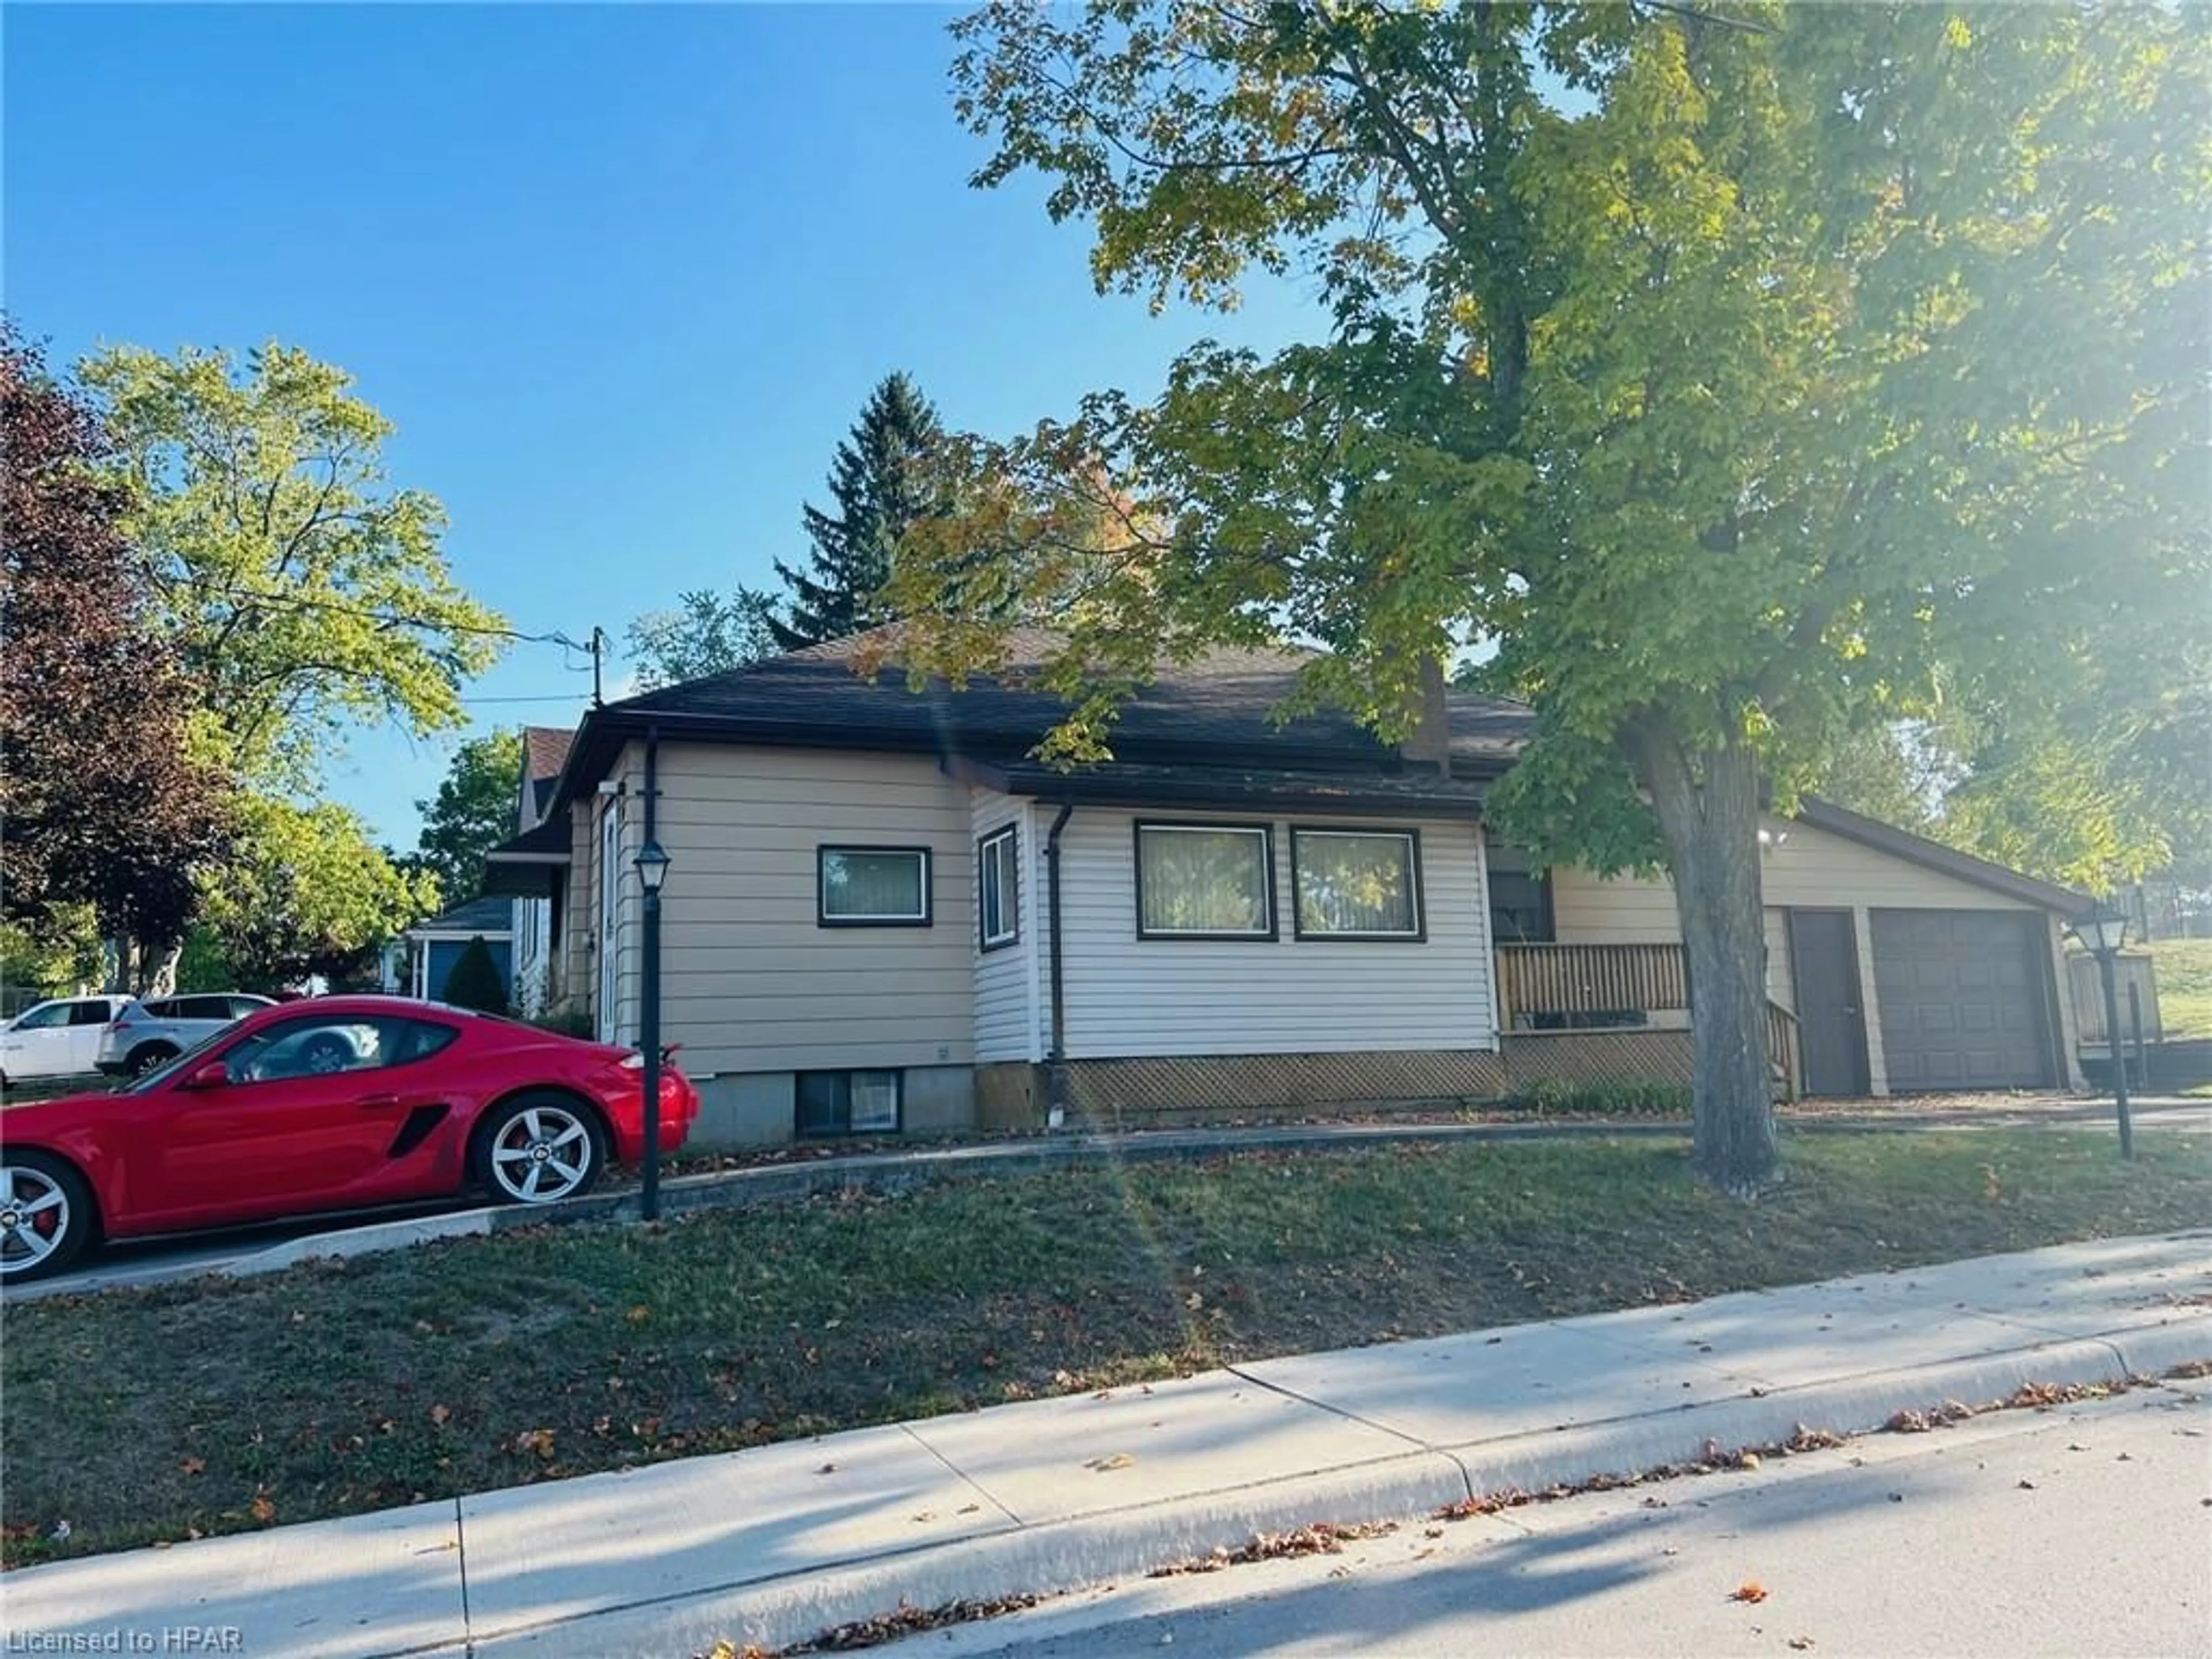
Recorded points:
(1589, 980)
(1569, 987)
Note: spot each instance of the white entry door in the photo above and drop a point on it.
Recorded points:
(610, 916)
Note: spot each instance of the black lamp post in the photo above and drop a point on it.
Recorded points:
(2105, 930)
(652, 870)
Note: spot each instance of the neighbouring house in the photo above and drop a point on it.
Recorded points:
(432, 947)
(545, 750)
(884, 916)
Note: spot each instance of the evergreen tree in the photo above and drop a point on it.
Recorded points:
(878, 492)
(474, 981)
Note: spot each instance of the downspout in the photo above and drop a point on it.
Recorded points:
(1056, 1090)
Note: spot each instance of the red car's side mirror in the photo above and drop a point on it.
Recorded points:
(212, 1075)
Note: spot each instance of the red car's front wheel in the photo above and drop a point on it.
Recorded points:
(540, 1148)
(45, 1214)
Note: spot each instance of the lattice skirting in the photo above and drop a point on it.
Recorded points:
(1210, 1088)
(1577, 1059)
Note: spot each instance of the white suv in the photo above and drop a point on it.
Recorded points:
(145, 1033)
(60, 1038)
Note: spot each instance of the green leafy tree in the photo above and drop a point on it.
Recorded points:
(1798, 362)
(308, 895)
(705, 634)
(305, 594)
(877, 489)
(108, 801)
(63, 954)
(474, 981)
(473, 811)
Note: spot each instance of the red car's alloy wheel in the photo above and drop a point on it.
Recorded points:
(40, 1219)
(541, 1151)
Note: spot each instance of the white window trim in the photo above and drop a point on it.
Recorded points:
(1420, 931)
(998, 855)
(1262, 833)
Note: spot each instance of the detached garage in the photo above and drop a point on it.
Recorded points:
(1907, 967)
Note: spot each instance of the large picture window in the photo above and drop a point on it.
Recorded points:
(1357, 883)
(998, 890)
(872, 886)
(1205, 881)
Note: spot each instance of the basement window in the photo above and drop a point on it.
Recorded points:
(833, 1103)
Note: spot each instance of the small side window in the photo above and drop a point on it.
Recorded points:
(998, 890)
(98, 1012)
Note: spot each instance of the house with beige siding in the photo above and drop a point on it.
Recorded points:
(884, 916)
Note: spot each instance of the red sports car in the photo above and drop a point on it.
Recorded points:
(333, 1103)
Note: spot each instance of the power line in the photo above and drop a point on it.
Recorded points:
(247, 598)
(550, 697)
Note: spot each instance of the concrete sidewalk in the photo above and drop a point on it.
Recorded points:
(770, 1545)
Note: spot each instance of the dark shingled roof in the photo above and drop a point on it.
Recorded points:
(477, 916)
(1218, 707)
(1418, 794)
(545, 752)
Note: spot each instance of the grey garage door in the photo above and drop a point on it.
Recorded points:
(1962, 998)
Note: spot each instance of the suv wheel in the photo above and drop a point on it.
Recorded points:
(145, 1057)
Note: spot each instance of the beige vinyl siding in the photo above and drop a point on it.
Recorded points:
(1128, 997)
(1779, 986)
(750, 981)
(1005, 979)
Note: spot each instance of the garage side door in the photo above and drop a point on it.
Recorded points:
(1962, 998)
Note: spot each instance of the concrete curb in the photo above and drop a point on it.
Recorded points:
(1098, 1549)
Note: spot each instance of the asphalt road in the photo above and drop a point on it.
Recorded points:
(2079, 1531)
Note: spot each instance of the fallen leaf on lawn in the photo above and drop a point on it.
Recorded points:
(299, 1319)
(969, 1509)
(639, 1315)
(263, 1509)
(926, 1515)
(61, 1531)
(1118, 1460)
(1194, 1302)
(827, 1468)
(440, 1414)
(2026, 1486)
(1800, 1642)
(1750, 1590)
(194, 1465)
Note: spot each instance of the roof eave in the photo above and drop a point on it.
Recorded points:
(1873, 833)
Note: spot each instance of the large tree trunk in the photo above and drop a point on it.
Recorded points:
(1707, 805)
(142, 968)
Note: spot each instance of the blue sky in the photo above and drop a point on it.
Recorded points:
(621, 276)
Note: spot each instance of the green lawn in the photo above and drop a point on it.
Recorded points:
(483, 1363)
(2184, 985)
